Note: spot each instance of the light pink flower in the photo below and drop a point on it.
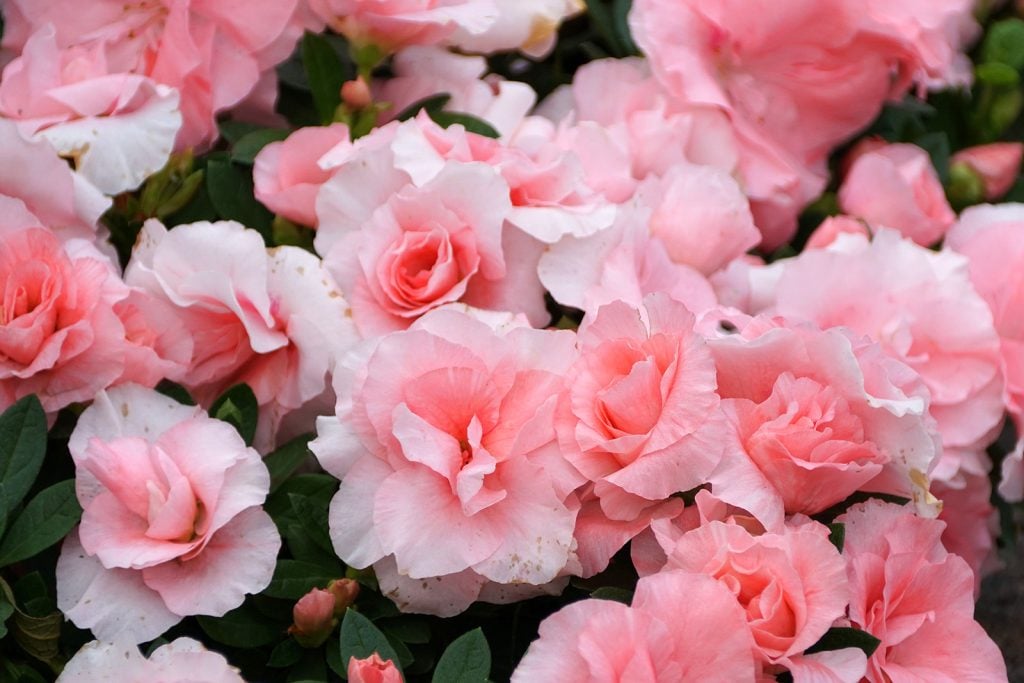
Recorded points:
(530, 26)
(922, 309)
(681, 627)
(373, 669)
(640, 418)
(908, 592)
(998, 165)
(791, 585)
(1011, 485)
(212, 51)
(59, 335)
(157, 346)
(393, 24)
(119, 128)
(445, 446)
(183, 659)
(171, 524)
(287, 174)
(400, 243)
(817, 415)
(972, 524)
(272, 319)
(897, 187)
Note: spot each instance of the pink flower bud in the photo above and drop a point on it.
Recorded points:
(314, 617)
(373, 669)
(345, 592)
(997, 164)
(356, 94)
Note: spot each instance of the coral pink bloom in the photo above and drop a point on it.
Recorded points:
(59, 335)
(640, 418)
(921, 307)
(896, 186)
(180, 660)
(118, 128)
(681, 627)
(908, 592)
(171, 523)
(443, 439)
(998, 165)
(530, 26)
(373, 669)
(818, 415)
(211, 51)
(287, 175)
(791, 585)
(394, 24)
(270, 318)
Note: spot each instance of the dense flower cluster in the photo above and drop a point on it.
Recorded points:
(534, 346)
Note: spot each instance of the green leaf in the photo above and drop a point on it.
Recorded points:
(434, 103)
(45, 520)
(407, 629)
(22, 449)
(245, 150)
(612, 593)
(839, 638)
(233, 131)
(242, 627)
(230, 190)
(287, 653)
(6, 610)
(175, 391)
(326, 74)
(837, 534)
(467, 660)
(620, 23)
(238, 407)
(360, 639)
(603, 20)
(1004, 43)
(313, 517)
(938, 148)
(997, 74)
(294, 578)
(286, 459)
(471, 123)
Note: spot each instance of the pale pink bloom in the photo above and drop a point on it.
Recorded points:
(287, 174)
(373, 669)
(171, 524)
(272, 319)
(530, 26)
(921, 307)
(212, 51)
(896, 186)
(422, 71)
(817, 415)
(183, 660)
(791, 585)
(972, 524)
(681, 626)
(118, 128)
(394, 24)
(834, 226)
(59, 335)
(37, 188)
(998, 165)
(400, 243)
(157, 346)
(445, 446)
(640, 419)
(1011, 485)
(908, 592)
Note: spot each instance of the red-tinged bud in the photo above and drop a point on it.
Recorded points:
(345, 592)
(373, 669)
(356, 94)
(314, 618)
(997, 164)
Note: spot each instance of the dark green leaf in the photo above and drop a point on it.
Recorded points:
(1004, 43)
(286, 653)
(283, 462)
(467, 660)
(837, 534)
(620, 22)
(39, 636)
(175, 391)
(6, 610)
(839, 638)
(238, 407)
(45, 520)
(294, 578)
(231, 192)
(612, 593)
(233, 131)
(313, 517)
(471, 123)
(22, 449)
(310, 669)
(434, 103)
(325, 73)
(246, 149)
(242, 627)
(360, 639)
(407, 629)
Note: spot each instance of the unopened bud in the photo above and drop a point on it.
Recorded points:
(314, 618)
(373, 669)
(996, 164)
(345, 592)
(356, 94)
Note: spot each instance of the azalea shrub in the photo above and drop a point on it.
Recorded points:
(489, 340)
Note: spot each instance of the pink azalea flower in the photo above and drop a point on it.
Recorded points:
(171, 524)
(681, 626)
(373, 669)
(530, 26)
(444, 443)
(908, 592)
(183, 659)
